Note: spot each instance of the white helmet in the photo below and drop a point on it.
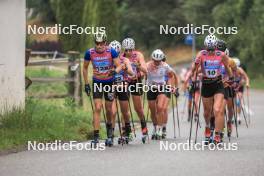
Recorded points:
(100, 37)
(157, 55)
(237, 61)
(210, 41)
(128, 43)
(115, 45)
(227, 52)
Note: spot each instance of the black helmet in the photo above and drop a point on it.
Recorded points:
(221, 45)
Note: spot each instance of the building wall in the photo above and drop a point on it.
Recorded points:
(12, 53)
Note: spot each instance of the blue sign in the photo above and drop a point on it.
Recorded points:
(188, 39)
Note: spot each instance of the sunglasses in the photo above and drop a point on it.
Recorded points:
(128, 50)
(100, 43)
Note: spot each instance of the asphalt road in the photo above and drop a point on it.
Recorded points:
(147, 159)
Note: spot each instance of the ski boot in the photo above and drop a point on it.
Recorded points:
(110, 139)
(229, 129)
(159, 134)
(164, 133)
(222, 134)
(207, 135)
(121, 140)
(109, 142)
(128, 138)
(94, 143)
(154, 134)
(217, 139)
(195, 117)
(212, 127)
(144, 135)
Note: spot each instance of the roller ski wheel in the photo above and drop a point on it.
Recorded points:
(153, 137)
(222, 134)
(144, 138)
(159, 135)
(121, 141)
(94, 143)
(144, 135)
(128, 138)
(229, 129)
(164, 133)
(239, 122)
(217, 140)
(211, 139)
(195, 117)
(109, 142)
(208, 136)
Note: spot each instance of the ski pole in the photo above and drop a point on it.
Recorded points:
(178, 120)
(119, 123)
(132, 119)
(190, 135)
(173, 115)
(243, 112)
(229, 137)
(184, 106)
(234, 110)
(248, 105)
(198, 120)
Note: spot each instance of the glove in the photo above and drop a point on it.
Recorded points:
(230, 81)
(176, 92)
(87, 89)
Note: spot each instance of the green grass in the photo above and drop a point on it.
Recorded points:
(43, 72)
(257, 83)
(45, 120)
(42, 123)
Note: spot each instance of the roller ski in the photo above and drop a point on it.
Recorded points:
(126, 136)
(159, 134)
(229, 129)
(109, 142)
(207, 135)
(121, 141)
(222, 134)
(196, 117)
(110, 139)
(95, 141)
(164, 133)
(212, 127)
(154, 134)
(144, 135)
(217, 139)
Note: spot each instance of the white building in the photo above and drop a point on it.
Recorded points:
(12, 53)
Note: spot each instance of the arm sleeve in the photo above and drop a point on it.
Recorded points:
(87, 56)
(114, 54)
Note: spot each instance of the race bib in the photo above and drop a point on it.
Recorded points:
(118, 78)
(102, 66)
(211, 73)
